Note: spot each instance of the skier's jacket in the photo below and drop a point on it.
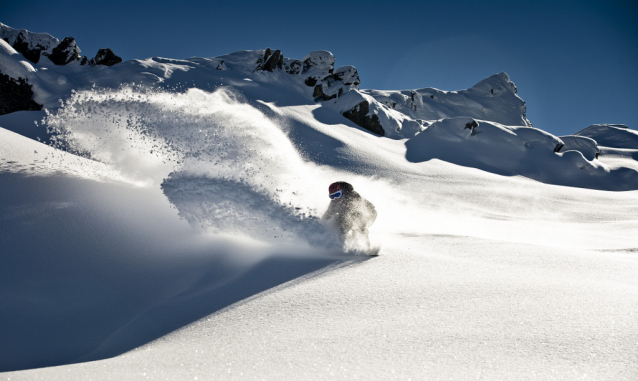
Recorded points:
(351, 211)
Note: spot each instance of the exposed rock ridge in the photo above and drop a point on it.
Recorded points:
(33, 46)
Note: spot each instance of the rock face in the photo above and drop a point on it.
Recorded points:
(294, 67)
(359, 116)
(318, 93)
(16, 95)
(317, 66)
(35, 45)
(272, 61)
(105, 57)
(319, 60)
(65, 52)
(348, 75)
(31, 45)
(22, 45)
(275, 60)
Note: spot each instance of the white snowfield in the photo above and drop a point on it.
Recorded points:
(174, 233)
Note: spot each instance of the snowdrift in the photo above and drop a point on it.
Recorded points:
(525, 151)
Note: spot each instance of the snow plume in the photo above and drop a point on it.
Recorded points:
(123, 128)
(227, 167)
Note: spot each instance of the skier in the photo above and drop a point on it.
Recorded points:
(351, 213)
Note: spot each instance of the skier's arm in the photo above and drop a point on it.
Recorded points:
(329, 213)
(373, 212)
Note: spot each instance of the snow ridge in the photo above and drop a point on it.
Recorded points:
(433, 124)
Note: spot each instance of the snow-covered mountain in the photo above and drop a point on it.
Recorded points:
(483, 127)
(152, 193)
(34, 46)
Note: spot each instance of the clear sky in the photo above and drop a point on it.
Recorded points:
(575, 62)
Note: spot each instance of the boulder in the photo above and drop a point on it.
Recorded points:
(319, 59)
(294, 67)
(359, 116)
(471, 126)
(221, 66)
(65, 52)
(105, 57)
(348, 75)
(318, 93)
(274, 60)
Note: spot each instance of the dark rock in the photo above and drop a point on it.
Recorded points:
(471, 125)
(267, 54)
(358, 115)
(65, 52)
(22, 45)
(348, 75)
(84, 60)
(16, 95)
(319, 60)
(311, 81)
(294, 68)
(273, 61)
(558, 147)
(318, 93)
(105, 57)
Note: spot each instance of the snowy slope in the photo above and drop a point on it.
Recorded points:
(478, 273)
(411, 115)
(171, 229)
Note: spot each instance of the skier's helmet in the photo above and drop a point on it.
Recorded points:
(335, 190)
(334, 187)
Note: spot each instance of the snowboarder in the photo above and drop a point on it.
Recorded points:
(351, 213)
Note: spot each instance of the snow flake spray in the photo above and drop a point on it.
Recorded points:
(225, 166)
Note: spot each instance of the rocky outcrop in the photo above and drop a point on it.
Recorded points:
(105, 57)
(271, 61)
(221, 66)
(16, 95)
(35, 45)
(274, 60)
(294, 67)
(21, 44)
(359, 116)
(317, 66)
(319, 60)
(65, 52)
(348, 75)
(318, 93)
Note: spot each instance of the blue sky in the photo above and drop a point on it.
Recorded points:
(574, 62)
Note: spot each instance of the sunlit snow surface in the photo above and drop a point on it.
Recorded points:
(205, 206)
